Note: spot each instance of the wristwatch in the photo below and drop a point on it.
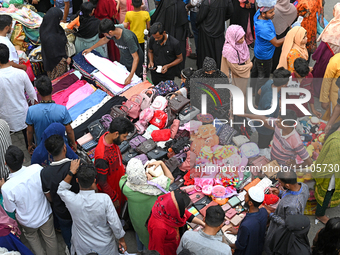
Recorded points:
(70, 173)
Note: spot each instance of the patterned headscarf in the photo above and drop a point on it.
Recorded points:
(137, 180)
(235, 53)
(209, 64)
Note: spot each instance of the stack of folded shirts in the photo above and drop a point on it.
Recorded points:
(83, 66)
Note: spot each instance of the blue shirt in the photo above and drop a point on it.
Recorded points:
(251, 234)
(43, 114)
(264, 33)
(265, 103)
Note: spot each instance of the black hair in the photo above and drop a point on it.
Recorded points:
(281, 77)
(86, 10)
(301, 67)
(4, 53)
(187, 72)
(105, 26)
(183, 200)
(157, 27)
(54, 145)
(122, 125)
(289, 118)
(44, 85)
(137, 3)
(151, 252)
(256, 204)
(328, 242)
(338, 82)
(333, 128)
(214, 216)
(287, 177)
(5, 20)
(14, 158)
(86, 175)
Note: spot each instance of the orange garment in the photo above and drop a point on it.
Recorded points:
(73, 23)
(308, 9)
(291, 57)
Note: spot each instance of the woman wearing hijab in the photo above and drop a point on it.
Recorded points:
(236, 57)
(329, 46)
(327, 240)
(41, 156)
(53, 43)
(293, 239)
(87, 33)
(293, 48)
(167, 216)
(141, 195)
(107, 9)
(308, 9)
(327, 184)
(285, 15)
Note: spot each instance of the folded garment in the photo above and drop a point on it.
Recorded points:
(24, 16)
(80, 62)
(62, 96)
(80, 94)
(87, 103)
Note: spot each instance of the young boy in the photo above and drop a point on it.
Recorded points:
(279, 81)
(5, 28)
(287, 144)
(302, 78)
(138, 21)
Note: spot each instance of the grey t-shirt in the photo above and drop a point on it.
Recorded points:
(127, 45)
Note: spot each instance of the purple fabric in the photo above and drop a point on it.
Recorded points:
(63, 84)
(322, 55)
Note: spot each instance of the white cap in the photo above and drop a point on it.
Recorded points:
(256, 194)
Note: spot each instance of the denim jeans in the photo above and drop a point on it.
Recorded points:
(66, 230)
(261, 70)
(140, 246)
(193, 16)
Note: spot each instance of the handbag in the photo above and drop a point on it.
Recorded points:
(134, 106)
(171, 116)
(96, 129)
(172, 163)
(142, 157)
(226, 134)
(255, 165)
(116, 111)
(271, 169)
(146, 146)
(165, 87)
(70, 49)
(159, 119)
(199, 205)
(240, 140)
(131, 153)
(124, 146)
(147, 98)
(131, 134)
(196, 197)
(161, 135)
(160, 103)
(182, 133)
(106, 121)
(203, 211)
(249, 150)
(177, 103)
(174, 128)
(144, 118)
(157, 153)
(138, 140)
(188, 113)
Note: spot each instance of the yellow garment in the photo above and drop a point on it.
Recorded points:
(293, 41)
(137, 21)
(292, 56)
(329, 90)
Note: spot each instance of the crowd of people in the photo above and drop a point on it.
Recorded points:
(86, 200)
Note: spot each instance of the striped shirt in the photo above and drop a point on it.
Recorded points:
(287, 147)
(5, 142)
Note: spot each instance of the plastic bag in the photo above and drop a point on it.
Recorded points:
(319, 27)
(298, 22)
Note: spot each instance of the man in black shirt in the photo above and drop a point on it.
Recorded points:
(51, 176)
(164, 53)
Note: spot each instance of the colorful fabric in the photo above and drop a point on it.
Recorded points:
(308, 9)
(81, 62)
(41, 156)
(287, 147)
(291, 57)
(293, 41)
(329, 157)
(59, 70)
(24, 16)
(331, 33)
(233, 51)
(62, 96)
(80, 94)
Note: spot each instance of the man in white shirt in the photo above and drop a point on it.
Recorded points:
(23, 194)
(95, 220)
(5, 28)
(13, 85)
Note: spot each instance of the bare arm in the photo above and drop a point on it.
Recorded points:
(66, 11)
(49, 197)
(30, 132)
(101, 42)
(178, 60)
(126, 24)
(70, 136)
(148, 25)
(151, 63)
(133, 68)
(276, 42)
(335, 115)
(167, 172)
(19, 66)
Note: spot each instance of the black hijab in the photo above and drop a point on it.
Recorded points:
(293, 239)
(88, 27)
(53, 39)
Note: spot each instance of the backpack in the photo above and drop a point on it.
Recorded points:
(147, 97)
(133, 105)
